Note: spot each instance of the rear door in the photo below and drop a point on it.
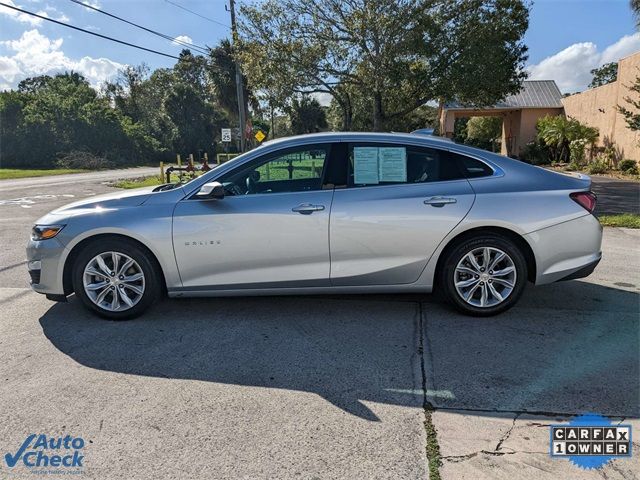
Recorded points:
(399, 203)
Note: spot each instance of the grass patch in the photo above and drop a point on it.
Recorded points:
(7, 173)
(151, 181)
(434, 459)
(139, 182)
(627, 220)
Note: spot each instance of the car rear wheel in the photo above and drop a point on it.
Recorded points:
(484, 275)
(116, 279)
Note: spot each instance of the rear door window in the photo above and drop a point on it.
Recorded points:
(373, 164)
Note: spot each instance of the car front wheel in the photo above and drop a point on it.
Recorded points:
(116, 279)
(484, 275)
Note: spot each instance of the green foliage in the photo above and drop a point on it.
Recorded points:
(632, 113)
(536, 153)
(573, 167)
(577, 150)
(48, 116)
(625, 220)
(382, 59)
(140, 182)
(484, 132)
(603, 75)
(306, 115)
(140, 118)
(628, 166)
(460, 130)
(7, 173)
(597, 166)
(557, 133)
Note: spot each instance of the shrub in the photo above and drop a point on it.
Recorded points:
(628, 166)
(557, 132)
(82, 159)
(598, 166)
(573, 167)
(536, 153)
(576, 150)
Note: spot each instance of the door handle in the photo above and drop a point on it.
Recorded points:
(307, 208)
(439, 201)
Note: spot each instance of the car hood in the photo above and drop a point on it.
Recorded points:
(123, 198)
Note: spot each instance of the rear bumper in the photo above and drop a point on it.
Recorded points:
(567, 250)
(583, 272)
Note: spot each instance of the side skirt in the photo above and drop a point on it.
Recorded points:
(246, 292)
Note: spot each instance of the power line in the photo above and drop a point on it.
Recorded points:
(197, 14)
(166, 37)
(89, 32)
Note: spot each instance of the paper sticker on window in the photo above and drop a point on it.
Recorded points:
(392, 164)
(365, 165)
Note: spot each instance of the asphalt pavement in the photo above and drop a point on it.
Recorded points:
(315, 386)
(616, 195)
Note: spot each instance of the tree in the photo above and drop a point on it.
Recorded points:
(306, 115)
(635, 7)
(607, 73)
(632, 114)
(484, 132)
(49, 117)
(390, 56)
(557, 132)
(221, 69)
(190, 105)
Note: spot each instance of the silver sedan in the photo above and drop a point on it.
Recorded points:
(326, 213)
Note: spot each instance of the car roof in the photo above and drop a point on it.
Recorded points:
(358, 136)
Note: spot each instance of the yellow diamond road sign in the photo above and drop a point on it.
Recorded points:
(260, 136)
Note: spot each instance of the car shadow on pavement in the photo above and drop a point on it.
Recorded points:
(567, 348)
(542, 356)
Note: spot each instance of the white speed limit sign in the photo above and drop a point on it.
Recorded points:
(226, 134)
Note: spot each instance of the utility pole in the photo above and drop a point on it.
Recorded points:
(239, 87)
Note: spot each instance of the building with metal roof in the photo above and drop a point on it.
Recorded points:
(519, 113)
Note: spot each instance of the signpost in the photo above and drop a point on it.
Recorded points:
(260, 136)
(226, 135)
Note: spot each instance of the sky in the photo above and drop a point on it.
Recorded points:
(566, 38)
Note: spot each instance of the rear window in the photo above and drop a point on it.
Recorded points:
(470, 167)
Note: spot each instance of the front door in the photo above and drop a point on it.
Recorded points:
(270, 230)
(400, 202)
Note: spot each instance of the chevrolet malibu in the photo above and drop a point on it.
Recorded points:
(326, 213)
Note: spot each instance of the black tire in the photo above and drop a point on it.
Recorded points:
(148, 265)
(446, 281)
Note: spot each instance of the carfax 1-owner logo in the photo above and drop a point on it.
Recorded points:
(47, 455)
(590, 441)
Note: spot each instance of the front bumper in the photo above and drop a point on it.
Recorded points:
(49, 256)
(567, 250)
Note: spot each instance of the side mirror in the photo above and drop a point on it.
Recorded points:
(211, 190)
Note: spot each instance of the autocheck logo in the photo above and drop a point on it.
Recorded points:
(61, 455)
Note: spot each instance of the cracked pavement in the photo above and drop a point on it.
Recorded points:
(317, 387)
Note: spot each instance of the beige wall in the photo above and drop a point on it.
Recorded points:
(519, 128)
(597, 107)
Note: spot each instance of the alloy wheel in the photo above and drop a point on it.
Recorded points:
(113, 281)
(485, 277)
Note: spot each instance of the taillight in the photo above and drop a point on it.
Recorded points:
(586, 200)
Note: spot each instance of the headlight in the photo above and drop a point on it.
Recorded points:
(44, 232)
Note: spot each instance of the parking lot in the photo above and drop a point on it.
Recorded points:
(315, 387)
